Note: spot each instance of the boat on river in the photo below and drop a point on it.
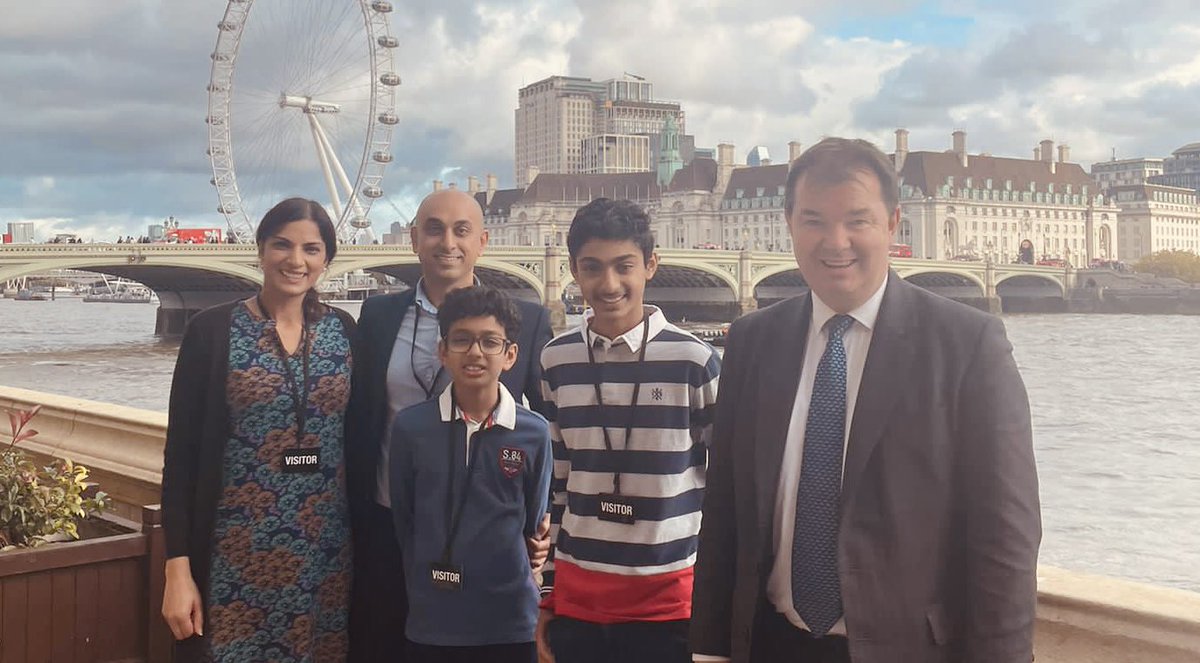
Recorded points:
(120, 292)
(29, 295)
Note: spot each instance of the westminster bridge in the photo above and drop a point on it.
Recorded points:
(690, 283)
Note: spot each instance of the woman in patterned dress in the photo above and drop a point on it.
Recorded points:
(254, 492)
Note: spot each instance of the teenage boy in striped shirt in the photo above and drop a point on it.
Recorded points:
(630, 400)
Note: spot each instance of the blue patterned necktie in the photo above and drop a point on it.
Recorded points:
(816, 591)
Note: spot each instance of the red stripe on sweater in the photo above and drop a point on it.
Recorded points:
(610, 598)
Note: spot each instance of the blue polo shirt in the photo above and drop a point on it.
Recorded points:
(499, 472)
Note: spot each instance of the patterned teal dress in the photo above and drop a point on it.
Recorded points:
(280, 583)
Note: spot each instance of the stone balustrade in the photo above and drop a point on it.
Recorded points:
(1081, 617)
(122, 446)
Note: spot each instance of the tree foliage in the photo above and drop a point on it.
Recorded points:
(1183, 265)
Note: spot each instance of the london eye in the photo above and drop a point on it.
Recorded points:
(301, 101)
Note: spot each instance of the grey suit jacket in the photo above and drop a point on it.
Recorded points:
(940, 520)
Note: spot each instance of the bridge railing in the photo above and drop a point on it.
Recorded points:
(770, 257)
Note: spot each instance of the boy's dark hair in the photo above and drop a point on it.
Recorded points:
(836, 160)
(608, 219)
(479, 301)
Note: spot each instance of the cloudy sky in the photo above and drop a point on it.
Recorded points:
(103, 103)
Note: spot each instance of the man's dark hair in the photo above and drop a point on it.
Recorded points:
(479, 301)
(836, 160)
(608, 219)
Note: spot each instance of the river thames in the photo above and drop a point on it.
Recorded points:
(1115, 399)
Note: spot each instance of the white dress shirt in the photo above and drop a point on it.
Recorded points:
(857, 341)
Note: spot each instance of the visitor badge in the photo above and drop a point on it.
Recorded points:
(447, 577)
(616, 509)
(301, 461)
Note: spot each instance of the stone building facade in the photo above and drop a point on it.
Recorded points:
(954, 205)
(1156, 218)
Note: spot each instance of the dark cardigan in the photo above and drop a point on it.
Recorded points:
(197, 429)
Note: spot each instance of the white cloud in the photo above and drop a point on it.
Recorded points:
(36, 186)
(102, 116)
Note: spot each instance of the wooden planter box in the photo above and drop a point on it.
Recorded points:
(94, 600)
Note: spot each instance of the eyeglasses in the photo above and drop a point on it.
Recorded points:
(488, 345)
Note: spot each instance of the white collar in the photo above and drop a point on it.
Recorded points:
(865, 314)
(505, 413)
(633, 337)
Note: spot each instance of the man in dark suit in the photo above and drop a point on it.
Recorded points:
(397, 366)
(872, 495)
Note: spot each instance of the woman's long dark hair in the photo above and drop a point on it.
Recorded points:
(300, 209)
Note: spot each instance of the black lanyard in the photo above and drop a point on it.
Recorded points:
(637, 387)
(299, 393)
(412, 356)
(453, 516)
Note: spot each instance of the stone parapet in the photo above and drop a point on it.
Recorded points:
(1080, 617)
(1084, 618)
(122, 446)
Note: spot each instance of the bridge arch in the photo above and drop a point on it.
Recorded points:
(669, 265)
(685, 289)
(946, 278)
(778, 282)
(1045, 282)
(961, 286)
(1031, 293)
(694, 291)
(773, 270)
(146, 272)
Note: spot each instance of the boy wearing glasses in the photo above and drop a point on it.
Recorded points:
(470, 478)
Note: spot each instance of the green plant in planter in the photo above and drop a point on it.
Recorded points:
(38, 502)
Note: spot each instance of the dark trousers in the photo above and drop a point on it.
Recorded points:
(776, 640)
(520, 652)
(575, 641)
(379, 599)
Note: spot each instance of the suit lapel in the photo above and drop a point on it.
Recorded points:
(779, 378)
(888, 362)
